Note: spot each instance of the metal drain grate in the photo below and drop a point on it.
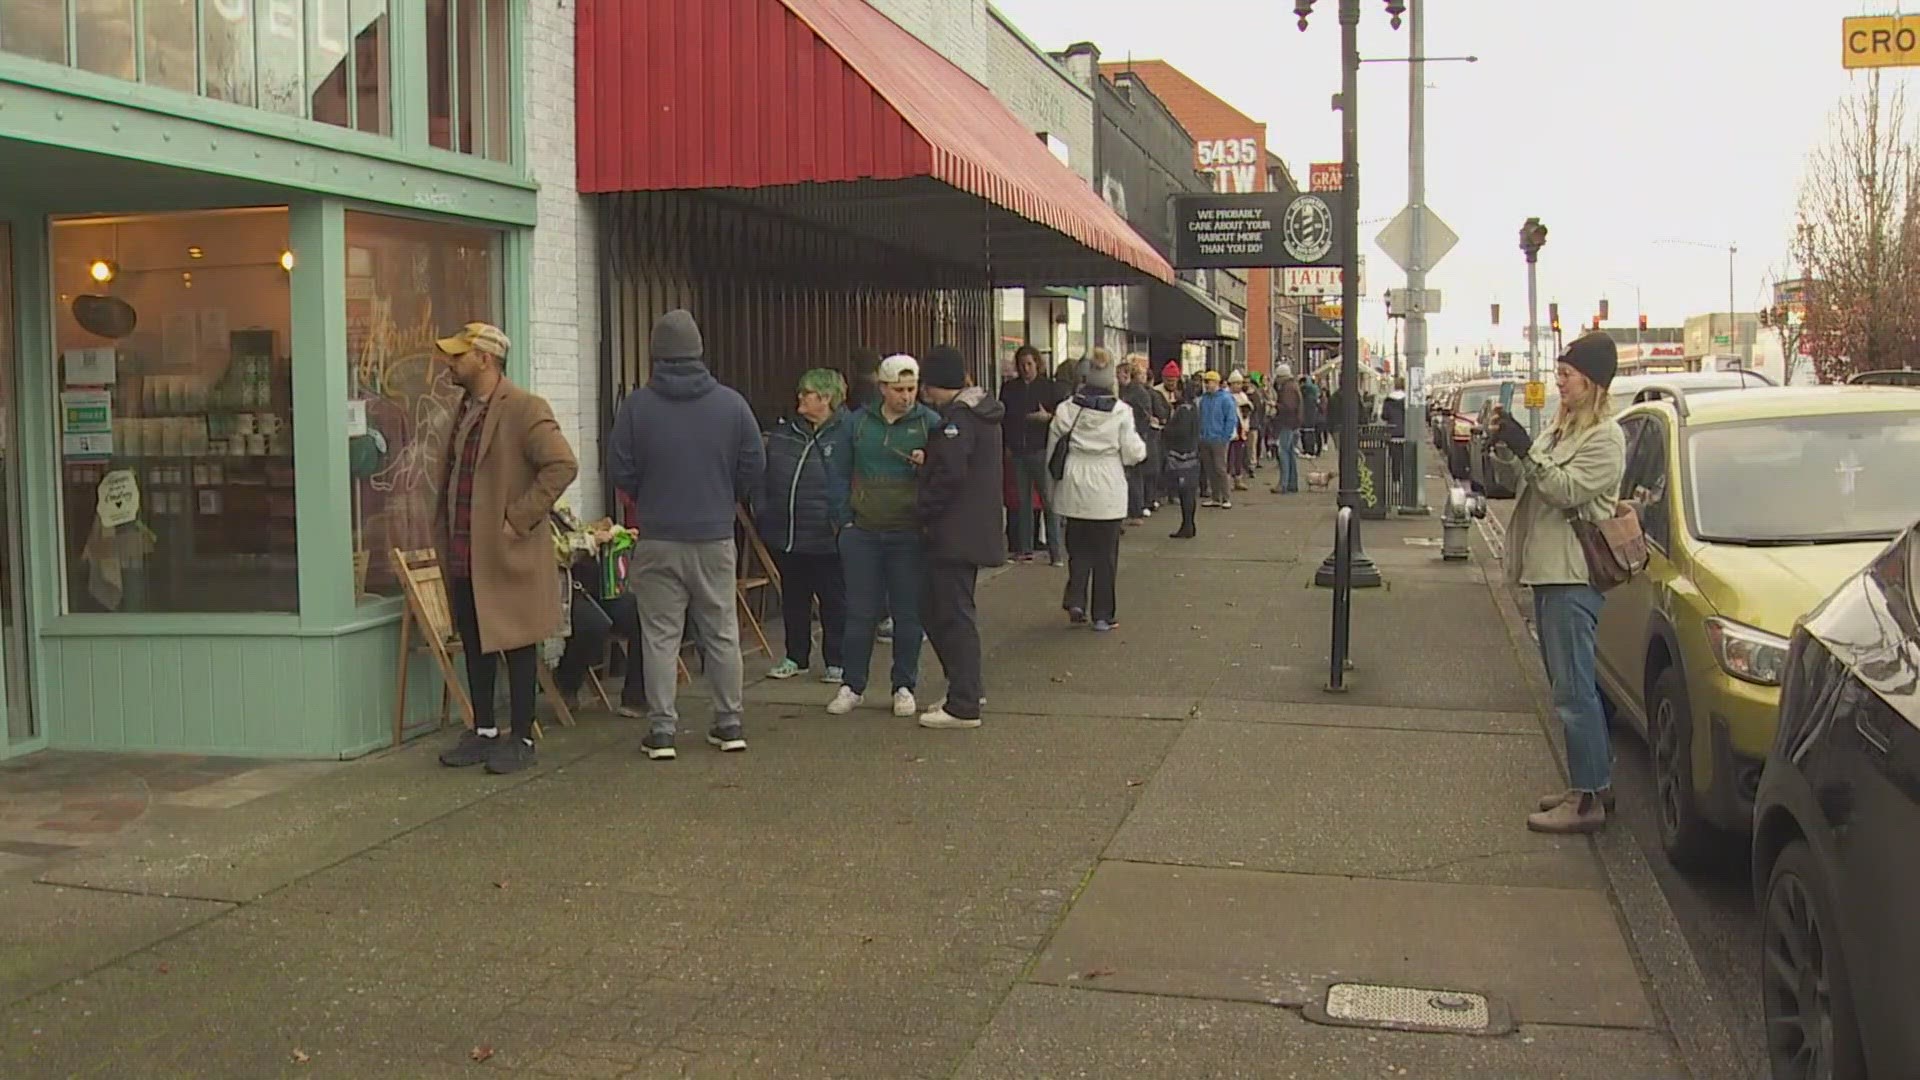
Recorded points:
(1409, 1008)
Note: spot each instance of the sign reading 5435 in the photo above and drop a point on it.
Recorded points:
(1227, 152)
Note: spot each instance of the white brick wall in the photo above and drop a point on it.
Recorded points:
(1040, 92)
(564, 309)
(959, 30)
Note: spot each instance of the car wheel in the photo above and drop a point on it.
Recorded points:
(1686, 836)
(1804, 995)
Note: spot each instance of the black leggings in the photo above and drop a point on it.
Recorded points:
(1093, 561)
(521, 672)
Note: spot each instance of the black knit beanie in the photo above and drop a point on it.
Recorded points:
(944, 368)
(1595, 356)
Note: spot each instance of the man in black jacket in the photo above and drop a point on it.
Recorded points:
(958, 510)
(1028, 403)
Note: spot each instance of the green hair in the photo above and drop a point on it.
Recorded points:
(826, 382)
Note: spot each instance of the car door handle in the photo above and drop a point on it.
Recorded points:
(1872, 732)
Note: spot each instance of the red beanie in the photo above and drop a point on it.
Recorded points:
(1171, 371)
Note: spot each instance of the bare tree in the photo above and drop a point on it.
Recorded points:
(1858, 238)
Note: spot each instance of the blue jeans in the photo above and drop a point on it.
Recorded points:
(885, 572)
(1289, 459)
(1565, 616)
(1029, 477)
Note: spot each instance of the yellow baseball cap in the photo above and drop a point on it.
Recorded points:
(484, 337)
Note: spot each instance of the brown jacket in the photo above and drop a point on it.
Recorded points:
(525, 464)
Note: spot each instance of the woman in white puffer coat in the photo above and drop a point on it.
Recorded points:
(1091, 494)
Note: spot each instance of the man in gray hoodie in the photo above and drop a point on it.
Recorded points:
(686, 450)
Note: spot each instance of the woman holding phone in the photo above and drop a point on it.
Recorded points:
(1574, 470)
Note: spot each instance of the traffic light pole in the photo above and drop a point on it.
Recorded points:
(1413, 483)
(1533, 336)
(1364, 574)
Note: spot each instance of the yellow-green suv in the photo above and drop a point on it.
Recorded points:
(1756, 505)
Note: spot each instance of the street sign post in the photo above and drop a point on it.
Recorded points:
(1877, 41)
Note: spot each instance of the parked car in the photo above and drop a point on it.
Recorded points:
(1467, 403)
(1627, 387)
(1833, 843)
(1886, 377)
(1756, 506)
(1440, 414)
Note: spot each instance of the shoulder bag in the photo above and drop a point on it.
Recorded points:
(1057, 461)
(1615, 549)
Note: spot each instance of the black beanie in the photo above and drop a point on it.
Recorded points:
(1595, 356)
(944, 368)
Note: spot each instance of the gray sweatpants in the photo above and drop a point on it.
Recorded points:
(676, 585)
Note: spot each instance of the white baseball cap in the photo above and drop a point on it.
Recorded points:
(898, 368)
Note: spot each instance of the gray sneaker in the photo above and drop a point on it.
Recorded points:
(728, 738)
(658, 747)
(512, 755)
(470, 750)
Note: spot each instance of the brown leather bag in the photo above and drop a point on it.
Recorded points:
(1616, 549)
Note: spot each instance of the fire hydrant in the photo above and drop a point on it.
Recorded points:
(1462, 507)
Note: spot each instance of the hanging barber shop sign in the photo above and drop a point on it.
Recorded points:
(1262, 229)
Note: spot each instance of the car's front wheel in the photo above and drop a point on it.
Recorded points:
(1811, 1034)
(1688, 838)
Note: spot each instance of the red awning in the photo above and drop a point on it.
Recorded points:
(754, 94)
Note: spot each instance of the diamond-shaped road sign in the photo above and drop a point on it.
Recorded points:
(1397, 238)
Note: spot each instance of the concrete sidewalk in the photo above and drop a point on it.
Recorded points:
(1162, 847)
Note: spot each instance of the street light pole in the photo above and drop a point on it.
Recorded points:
(1413, 485)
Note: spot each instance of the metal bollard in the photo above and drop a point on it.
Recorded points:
(1456, 519)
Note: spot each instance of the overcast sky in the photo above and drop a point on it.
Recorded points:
(1619, 124)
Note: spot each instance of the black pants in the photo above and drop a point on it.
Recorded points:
(953, 627)
(587, 646)
(1185, 484)
(521, 672)
(804, 579)
(1093, 560)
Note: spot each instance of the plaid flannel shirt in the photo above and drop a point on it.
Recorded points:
(460, 532)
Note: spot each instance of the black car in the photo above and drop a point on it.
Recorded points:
(1836, 849)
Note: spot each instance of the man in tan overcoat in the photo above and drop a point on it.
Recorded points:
(507, 464)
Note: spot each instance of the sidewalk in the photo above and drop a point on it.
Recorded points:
(1165, 842)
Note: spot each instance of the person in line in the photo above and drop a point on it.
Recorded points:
(687, 451)
(1092, 493)
(795, 521)
(1138, 400)
(873, 482)
(1238, 467)
(1219, 423)
(1574, 470)
(1180, 441)
(1312, 417)
(1287, 410)
(1259, 426)
(1393, 412)
(1158, 410)
(1029, 402)
(959, 492)
(508, 463)
(863, 390)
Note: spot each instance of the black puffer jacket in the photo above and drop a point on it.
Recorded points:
(792, 511)
(960, 485)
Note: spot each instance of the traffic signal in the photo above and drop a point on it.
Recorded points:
(1553, 316)
(1596, 322)
(1643, 321)
(1496, 314)
(1603, 309)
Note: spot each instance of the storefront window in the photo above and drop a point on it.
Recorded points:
(174, 419)
(38, 31)
(408, 283)
(325, 59)
(352, 87)
(468, 45)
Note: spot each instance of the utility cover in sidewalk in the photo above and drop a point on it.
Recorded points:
(1409, 1008)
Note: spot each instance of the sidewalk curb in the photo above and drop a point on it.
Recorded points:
(1680, 993)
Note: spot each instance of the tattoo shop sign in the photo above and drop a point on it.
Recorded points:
(1262, 229)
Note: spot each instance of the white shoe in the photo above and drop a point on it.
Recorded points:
(844, 702)
(903, 703)
(940, 718)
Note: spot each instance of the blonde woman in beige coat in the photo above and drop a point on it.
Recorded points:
(1573, 471)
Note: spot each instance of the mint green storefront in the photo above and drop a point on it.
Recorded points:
(229, 232)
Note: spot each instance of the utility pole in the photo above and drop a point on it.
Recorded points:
(1413, 485)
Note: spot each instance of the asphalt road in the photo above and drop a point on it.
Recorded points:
(1714, 907)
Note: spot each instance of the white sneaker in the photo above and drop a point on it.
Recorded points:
(844, 702)
(940, 718)
(903, 703)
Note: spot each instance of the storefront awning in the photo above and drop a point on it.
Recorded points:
(801, 105)
(1184, 312)
(1315, 330)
